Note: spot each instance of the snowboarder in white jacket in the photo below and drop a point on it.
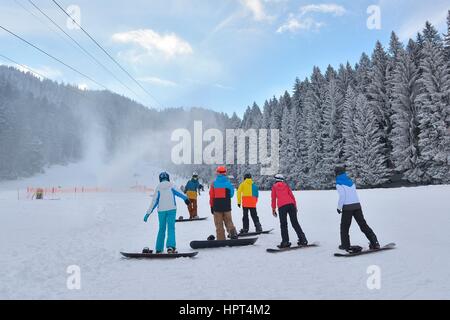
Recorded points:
(164, 200)
(349, 207)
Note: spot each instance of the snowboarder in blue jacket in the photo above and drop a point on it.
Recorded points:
(192, 190)
(164, 200)
(349, 207)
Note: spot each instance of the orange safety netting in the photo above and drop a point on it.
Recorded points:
(69, 190)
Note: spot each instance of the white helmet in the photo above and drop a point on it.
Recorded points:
(279, 177)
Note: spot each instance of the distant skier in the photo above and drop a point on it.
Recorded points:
(283, 198)
(39, 194)
(192, 190)
(164, 200)
(220, 194)
(350, 207)
(247, 196)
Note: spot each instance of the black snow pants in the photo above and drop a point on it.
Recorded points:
(255, 218)
(348, 213)
(291, 211)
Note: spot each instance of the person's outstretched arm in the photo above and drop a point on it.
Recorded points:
(177, 192)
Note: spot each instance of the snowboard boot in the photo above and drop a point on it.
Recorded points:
(355, 249)
(172, 251)
(351, 249)
(146, 251)
(374, 246)
(259, 228)
(302, 242)
(243, 231)
(284, 245)
(234, 235)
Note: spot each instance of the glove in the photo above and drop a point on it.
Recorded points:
(339, 211)
(212, 210)
(188, 202)
(274, 213)
(239, 206)
(147, 215)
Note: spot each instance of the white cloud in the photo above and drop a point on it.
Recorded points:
(329, 8)
(303, 21)
(169, 44)
(223, 87)
(294, 24)
(257, 9)
(158, 81)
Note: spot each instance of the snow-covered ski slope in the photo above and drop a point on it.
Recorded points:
(39, 240)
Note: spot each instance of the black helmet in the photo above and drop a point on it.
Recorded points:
(164, 176)
(340, 170)
(247, 176)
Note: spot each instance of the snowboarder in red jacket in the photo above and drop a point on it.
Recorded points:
(283, 198)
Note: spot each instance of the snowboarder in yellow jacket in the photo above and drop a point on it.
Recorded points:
(247, 198)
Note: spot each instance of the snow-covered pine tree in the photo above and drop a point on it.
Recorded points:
(298, 124)
(365, 156)
(348, 132)
(378, 97)
(346, 77)
(314, 109)
(251, 120)
(330, 74)
(333, 141)
(431, 34)
(447, 39)
(276, 113)
(405, 132)
(395, 47)
(434, 112)
(264, 181)
(286, 150)
(362, 78)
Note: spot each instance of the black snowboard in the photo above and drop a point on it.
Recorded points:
(190, 220)
(390, 246)
(222, 243)
(158, 255)
(251, 234)
(278, 250)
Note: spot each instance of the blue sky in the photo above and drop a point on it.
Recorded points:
(218, 54)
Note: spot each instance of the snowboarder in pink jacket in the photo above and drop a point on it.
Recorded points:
(284, 200)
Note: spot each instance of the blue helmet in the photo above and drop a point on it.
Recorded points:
(164, 176)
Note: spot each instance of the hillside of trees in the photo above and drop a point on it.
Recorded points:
(43, 123)
(387, 118)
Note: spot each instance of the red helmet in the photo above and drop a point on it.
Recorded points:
(221, 170)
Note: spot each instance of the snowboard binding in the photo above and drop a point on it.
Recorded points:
(172, 251)
(284, 245)
(147, 251)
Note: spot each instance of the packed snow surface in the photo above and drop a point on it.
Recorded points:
(39, 240)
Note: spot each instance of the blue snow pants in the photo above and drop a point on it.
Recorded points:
(166, 222)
